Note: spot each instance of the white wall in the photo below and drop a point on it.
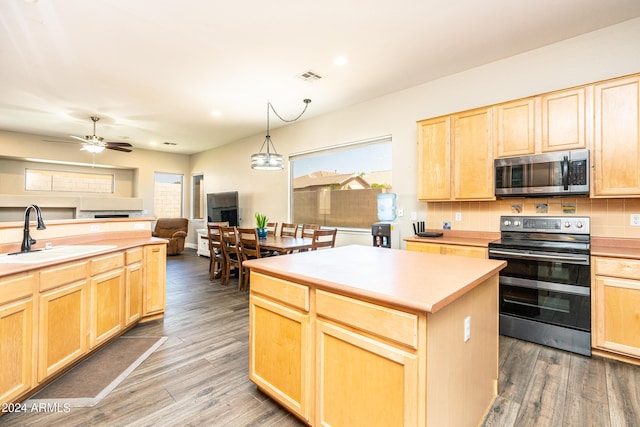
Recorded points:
(608, 53)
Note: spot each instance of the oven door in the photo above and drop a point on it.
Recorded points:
(549, 287)
(560, 305)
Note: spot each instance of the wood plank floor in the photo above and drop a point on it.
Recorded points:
(200, 374)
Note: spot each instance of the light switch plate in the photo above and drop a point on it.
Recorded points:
(635, 220)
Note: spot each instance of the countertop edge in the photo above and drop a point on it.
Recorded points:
(120, 244)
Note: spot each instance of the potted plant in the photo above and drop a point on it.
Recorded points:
(261, 225)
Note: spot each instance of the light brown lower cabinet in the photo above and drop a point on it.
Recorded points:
(155, 261)
(62, 327)
(16, 349)
(54, 316)
(616, 305)
(445, 249)
(337, 360)
(134, 284)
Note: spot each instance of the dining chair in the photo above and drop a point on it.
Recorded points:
(272, 228)
(307, 231)
(250, 249)
(288, 229)
(232, 254)
(324, 239)
(216, 255)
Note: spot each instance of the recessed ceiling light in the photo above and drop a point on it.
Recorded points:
(340, 61)
(153, 143)
(216, 113)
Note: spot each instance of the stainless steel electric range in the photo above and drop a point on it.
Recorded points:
(545, 290)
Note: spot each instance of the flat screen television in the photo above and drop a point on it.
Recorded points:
(223, 207)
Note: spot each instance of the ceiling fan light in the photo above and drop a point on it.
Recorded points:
(93, 148)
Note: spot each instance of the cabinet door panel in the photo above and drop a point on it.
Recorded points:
(107, 306)
(16, 349)
(515, 128)
(134, 280)
(434, 159)
(473, 154)
(155, 279)
(617, 315)
(386, 380)
(617, 138)
(62, 334)
(563, 120)
(279, 357)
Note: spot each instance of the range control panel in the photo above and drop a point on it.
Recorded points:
(546, 224)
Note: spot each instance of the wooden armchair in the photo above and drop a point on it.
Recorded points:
(174, 230)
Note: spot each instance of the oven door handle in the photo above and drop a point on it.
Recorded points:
(542, 257)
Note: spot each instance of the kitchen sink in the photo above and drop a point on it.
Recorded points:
(53, 254)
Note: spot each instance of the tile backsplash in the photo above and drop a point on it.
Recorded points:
(609, 217)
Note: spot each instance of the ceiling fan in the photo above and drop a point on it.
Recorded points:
(96, 144)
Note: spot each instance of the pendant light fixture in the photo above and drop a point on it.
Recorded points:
(270, 159)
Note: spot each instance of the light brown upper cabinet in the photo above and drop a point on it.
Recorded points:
(455, 157)
(617, 138)
(516, 128)
(434, 159)
(473, 155)
(563, 120)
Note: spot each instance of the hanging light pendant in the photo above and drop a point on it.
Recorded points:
(270, 159)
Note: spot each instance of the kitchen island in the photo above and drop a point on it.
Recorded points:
(370, 336)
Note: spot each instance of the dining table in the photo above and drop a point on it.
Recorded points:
(285, 244)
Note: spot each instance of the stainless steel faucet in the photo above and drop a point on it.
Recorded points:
(27, 241)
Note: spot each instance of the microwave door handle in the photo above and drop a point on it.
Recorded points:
(565, 172)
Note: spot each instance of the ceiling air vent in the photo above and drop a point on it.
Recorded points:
(309, 76)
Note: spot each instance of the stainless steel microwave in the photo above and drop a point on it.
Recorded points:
(562, 173)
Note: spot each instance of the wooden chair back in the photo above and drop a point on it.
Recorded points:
(324, 239)
(272, 228)
(216, 255)
(307, 229)
(250, 248)
(232, 254)
(289, 229)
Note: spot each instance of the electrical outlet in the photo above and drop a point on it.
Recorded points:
(458, 216)
(414, 216)
(400, 212)
(467, 328)
(635, 220)
(446, 225)
(95, 227)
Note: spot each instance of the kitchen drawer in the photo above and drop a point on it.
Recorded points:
(16, 287)
(106, 263)
(383, 321)
(134, 255)
(617, 267)
(287, 292)
(62, 274)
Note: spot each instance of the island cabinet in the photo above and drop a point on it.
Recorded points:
(358, 336)
(16, 335)
(107, 297)
(616, 305)
(617, 138)
(369, 348)
(280, 339)
(63, 314)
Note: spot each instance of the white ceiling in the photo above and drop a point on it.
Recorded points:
(155, 70)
